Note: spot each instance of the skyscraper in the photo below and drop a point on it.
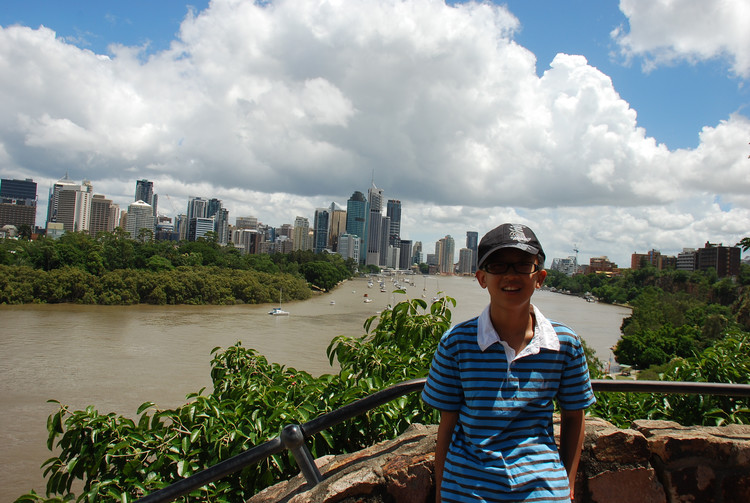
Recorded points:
(144, 191)
(70, 204)
(301, 234)
(374, 225)
(336, 226)
(140, 217)
(393, 212)
(445, 249)
(18, 202)
(472, 238)
(321, 221)
(356, 219)
(102, 215)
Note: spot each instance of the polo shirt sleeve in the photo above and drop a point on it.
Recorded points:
(443, 390)
(575, 392)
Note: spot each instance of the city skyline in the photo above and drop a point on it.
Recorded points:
(608, 127)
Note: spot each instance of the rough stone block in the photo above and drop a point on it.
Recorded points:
(626, 486)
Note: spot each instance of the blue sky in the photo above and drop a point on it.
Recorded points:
(639, 146)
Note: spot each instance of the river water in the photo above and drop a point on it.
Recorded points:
(117, 357)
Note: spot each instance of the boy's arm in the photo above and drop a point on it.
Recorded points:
(444, 435)
(572, 429)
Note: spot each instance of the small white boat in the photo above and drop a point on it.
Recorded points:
(277, 311)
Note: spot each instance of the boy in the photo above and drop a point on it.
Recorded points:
(494, 379)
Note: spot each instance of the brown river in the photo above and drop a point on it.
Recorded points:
(117, 357)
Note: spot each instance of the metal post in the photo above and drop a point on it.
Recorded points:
(294, 439)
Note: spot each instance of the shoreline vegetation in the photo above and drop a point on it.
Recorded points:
(115, 270)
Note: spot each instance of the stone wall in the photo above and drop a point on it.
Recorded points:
(652, 462)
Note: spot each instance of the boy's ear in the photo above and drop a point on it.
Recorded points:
(481, 278)
(540, 278)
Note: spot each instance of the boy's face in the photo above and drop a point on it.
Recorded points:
(511, 287)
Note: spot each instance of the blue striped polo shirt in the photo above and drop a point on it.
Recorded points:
(503, 447)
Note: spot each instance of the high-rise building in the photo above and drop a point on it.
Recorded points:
(393, 211)
(686, 259)
(181, 226)
(301, 235)
(197, 208)
(472, 241)
(198, 227)
(417, 257)
(374, 225)
(140, 217)
(337, 225)
(385, 257)
(464, 261)
(445, 253)
(103, 217)
(18, 202)
(356, 219)
(724, 259)
(405, 256)
(70, 204)
(349, 246)
(321, 221)
(144, 191)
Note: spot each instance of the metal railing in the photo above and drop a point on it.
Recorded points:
(293, 436)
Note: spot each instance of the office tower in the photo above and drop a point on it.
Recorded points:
(102, 215)
(464, 261)
(374, 225)
(417, 257)
(198, 227)
(144, 191)
(18, 202)
(349, 246)
(301, 234)
(286, 231)
(445, 252)
(725, 260)
(472, 239)
(221, 225)
(337, 225)
(384, 246)
(140, 218)
(356, 220)
(393, 212)
(404, 262)
(321, 220)
(181, 226)
(197, 208)
(70, 204)
(213, 209)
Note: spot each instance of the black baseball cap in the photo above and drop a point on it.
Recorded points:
(509, 236)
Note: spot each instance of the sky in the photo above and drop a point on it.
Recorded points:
(609, 128)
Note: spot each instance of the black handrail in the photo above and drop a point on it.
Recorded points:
(293, 436)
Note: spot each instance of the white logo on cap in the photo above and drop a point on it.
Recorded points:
(517, 233)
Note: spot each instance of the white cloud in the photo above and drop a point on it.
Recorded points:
(284, 107)
(669, 31)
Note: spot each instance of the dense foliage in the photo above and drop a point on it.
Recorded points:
(675, 313)
(114, 269)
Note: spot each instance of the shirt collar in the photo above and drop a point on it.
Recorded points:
(544, 334)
